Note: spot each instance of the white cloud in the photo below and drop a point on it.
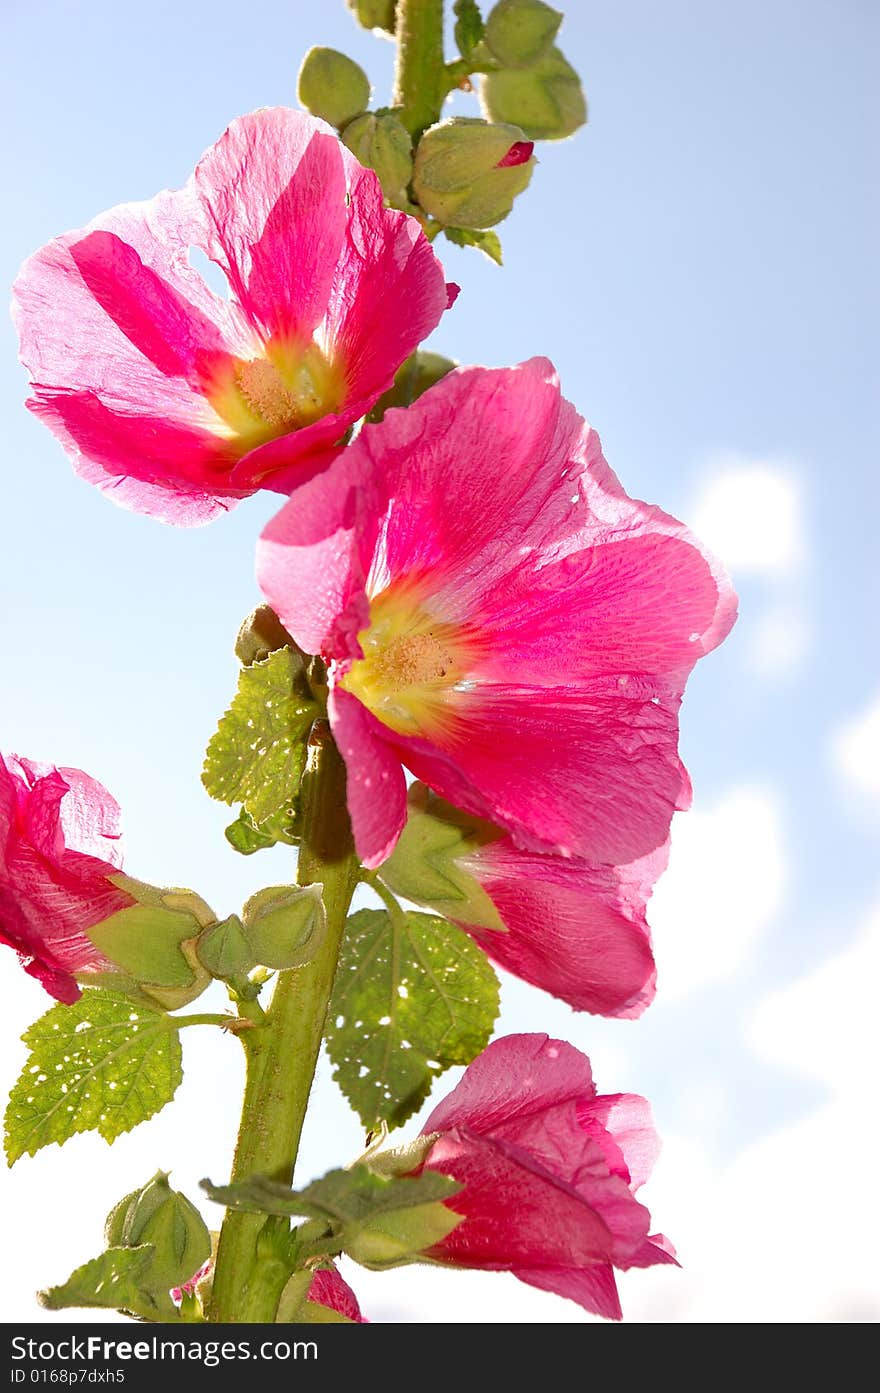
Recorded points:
(725, 883)
(749, 512)
(855, 750)
(778, 641)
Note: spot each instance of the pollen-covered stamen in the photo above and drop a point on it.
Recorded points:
(287, 389)
(412, 662)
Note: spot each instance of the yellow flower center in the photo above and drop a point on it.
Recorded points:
(413, 666)
(262, 398)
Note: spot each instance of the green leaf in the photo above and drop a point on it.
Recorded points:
(102, 1064)
(340, 1196)
(111, 1282)
(413, 996)
(485, 241)
(258, 753)
(469, 27)
(247, 836)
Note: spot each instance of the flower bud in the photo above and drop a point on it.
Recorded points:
(468, 172)
(428, 863)
(285, 925)
(225, 950)
(400, 1236)
(332, 86)
(382, 143)
(260, 634)
(519, 32)
(546, 100)
(165, 1218)
(375, 14)
(152, 942)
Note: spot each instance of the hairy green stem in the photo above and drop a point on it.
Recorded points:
(282, 1053)
(420, 81)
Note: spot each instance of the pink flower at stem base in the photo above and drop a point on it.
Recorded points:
(548, 1169)
(59, 847)
(177, 402)
(500, 618)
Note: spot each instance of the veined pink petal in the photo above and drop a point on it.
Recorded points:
(546, 1192)
(530, 627)
(59, 848)
(376, 787)
(179, 402)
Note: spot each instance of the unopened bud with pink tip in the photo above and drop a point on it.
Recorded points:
(468, 172)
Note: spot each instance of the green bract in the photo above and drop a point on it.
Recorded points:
(546, 100)
(153, 942)
(519, 32)
(332, 86)
(167, 1220)
(457, 178)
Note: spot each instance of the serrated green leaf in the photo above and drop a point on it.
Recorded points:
(102, 1064)
(469, 27)
(111, 1282)
(247, 836)
(340, 1196)
(413, 996)
(487, 242)
(257, 755)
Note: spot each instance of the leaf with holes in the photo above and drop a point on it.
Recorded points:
(102, 1064)
(257, 755)
(413, 996)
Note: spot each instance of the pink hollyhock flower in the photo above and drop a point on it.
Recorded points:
(178, 402)
(329, 1289)
(59, 848)
(573, 929)
(499, 617)
(549, 1170)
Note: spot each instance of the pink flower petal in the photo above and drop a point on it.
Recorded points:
(376, 787)
(330, 1289)
(593, 1287)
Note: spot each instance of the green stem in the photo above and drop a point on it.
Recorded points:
(420, 81)
(283, 1052)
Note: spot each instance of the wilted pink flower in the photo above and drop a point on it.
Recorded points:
(573, 929)
(500, 618)
(549, 1170)
(179, 402)
(59, 846)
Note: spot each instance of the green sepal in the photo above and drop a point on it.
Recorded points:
(225, 950)
(285, 925)
(425, 864)
(487, 241)
(413, 995)
(382, 143)
(469, 26)
(520, 32)
(421, 371)
(546, 100)
(152, 943)
(332, 86)
(457, 178)
(103, 1064)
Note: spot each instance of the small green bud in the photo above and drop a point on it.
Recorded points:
(519, 32)
(165, 1218)
(420, 371)
(153, 942)
(425, 864)
(285, 925)
(468, 172)
(375, 14)
(225, 950)
(332, 86)
(382, 143)
(261, 633)
(546, 100)
(401, 1236)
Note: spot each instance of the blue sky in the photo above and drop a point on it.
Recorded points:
(700, 263)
